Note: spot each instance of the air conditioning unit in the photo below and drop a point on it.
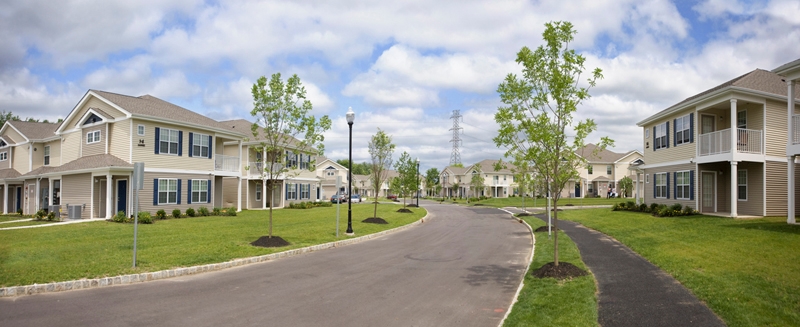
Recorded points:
(74, 211)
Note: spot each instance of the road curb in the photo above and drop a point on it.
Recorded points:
(13, 291)
(527, 267)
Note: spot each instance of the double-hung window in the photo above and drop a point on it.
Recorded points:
(305, 191)
(4, 156)
(92, 137)
(661, 185)
(741, 183)
(291, 191)
(682, 185)
(660, 138)
(199, 191)
(683, 130)
(200, 145)
(46, 155)
(258, 191)
(140, 130)
(291, 160)
(168, 141)
(167, 191)
(741, 119)
(608, 169)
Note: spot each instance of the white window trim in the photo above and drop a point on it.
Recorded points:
(161, 135)
(160, 180)
(202, 138)
(200, 191)
(46, 158)
(687, 128)
(609, 169)
(258, 192)
(590, 170)
(292, 194)
(739, 194)
(689, 184)
(95, 137)
(305, 188)
(4, 156)
(665, 186)
(745, 118)
(141, 128)
(647, 178)
(665, 144)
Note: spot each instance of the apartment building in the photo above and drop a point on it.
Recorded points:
(603, 171)
(456, 181)
(791, 75)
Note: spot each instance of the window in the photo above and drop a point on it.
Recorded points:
(741, 119)
(608, 170)
(661, 185)
(46, 155)
(57, 192)
(646, 133)
(590, 169)
(660, 139)
(258, 191)
(167, 191)
(140, 130)
(4, 156)
(647, 178)
(199, 190)
(304, 161)
(291, 159)
(741, 181)
(305, 191)
(92, 137)
(683, 181)
(291, 191)
(330, 171)
(168, 141)
(683, 130)
(199, 146)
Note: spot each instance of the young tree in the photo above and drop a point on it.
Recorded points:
(625, 186)
(407, 178)
(477, 180)
(284, 123)
(380, 149)
(456, 188)
(431, 179)
(536, 121)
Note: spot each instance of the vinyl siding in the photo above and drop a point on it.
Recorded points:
(777, 186)
(229, 196)
(169, 161)
(38, 155)
(12, 137)
(775, 136)
(70, 147)
(120, 139)
(648, 187)
(55, 153)
(20, 159)
(92, 102)
(723, 184)
(77, 190)
(754, 205)
(6, 163)
(97, 147)
(146, 195)
(673, 153)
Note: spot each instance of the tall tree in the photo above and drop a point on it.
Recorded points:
(536, 121)
(6, 116)
(477, 180)
(362, 168)
(431, 178)
(625, 187)
(407, 178)
(284, 123)
(380, 149)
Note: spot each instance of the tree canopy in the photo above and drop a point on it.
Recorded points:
(407, 179)
(363, 168)
(380, 150)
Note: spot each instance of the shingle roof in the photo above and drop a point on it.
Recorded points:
(456, 170)
(148, 105)
(9, 173)
(487, 165)
(605, 155)
(35, 131)
(243, 126)
(92, 162)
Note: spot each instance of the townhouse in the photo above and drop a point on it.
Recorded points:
(725, 151)
(328, 171)
(83, 166)
(602, 172)
(791, 74)
(456, 181)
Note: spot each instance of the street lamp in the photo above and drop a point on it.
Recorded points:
(417, 191)
(351, 116)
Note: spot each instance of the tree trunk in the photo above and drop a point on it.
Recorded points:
(555, 228)
(269, 196)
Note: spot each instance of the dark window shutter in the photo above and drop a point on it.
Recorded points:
(667, 177)
(210, 148)
(667, 135)
(675, 133)
(654, 139)
(296, 163)
(179, 191)
(691, 185)
(296, 192)
(675, 187)
(158, 139)
(155, 187)
(180, 143)
(691, 128)
(287, 191)
(191, 144)
(208, 195)
(655, 178)
(189, 184)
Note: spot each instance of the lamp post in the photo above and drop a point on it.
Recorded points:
(350, 117)
(417, 190)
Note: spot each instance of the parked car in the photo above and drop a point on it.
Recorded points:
(355, 198)
(336, 198)
(392, 197)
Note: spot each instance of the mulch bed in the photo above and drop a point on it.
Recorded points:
(524, 214)
(478, 205)
(564, 270)
(375, 220)
(270, 242)
(569, 205)
(404, 210)
(542, 229)
(412, 205)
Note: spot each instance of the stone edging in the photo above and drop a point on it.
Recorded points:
(528, 267)
(12, 291)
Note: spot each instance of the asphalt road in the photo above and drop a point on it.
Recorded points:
(460, 268)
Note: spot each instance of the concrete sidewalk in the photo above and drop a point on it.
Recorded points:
(633, 291)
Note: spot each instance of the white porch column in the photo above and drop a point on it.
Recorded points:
(264, 194)
(5, 198)
(239, 189)
(636, 192)
(734, 130)
(36, 198)
(790, 206)
(734, 189)
(109, 196)
(49, 192)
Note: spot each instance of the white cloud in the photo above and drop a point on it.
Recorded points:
(23, 94)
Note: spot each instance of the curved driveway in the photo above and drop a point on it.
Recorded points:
(459, 268)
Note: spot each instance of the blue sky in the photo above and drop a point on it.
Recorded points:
(403, 66)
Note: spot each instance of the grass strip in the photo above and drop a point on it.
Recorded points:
(549, 302)
(98, 249)
(541, 203)
(745, 270)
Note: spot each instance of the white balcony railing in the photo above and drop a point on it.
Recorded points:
(718, 142)
(226, 163)
(256, 168)
(795, 129)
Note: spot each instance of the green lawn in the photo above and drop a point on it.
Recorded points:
(529, 202)
(26, 223)
(97, 249)
(747, 271)
(13, 217)
(548, 302)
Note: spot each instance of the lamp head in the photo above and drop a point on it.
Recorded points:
(351, 116)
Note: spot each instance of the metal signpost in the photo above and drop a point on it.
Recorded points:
(138, 183)
(338, 202)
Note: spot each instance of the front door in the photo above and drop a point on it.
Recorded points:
(122, 196)
(19, 199)
(706, 124)
(577, 190)
(708, 191)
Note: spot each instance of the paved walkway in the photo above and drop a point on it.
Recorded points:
(633, 291)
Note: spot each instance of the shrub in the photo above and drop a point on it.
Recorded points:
(19, 212)
(161, 214)
(216, 211)
(120, 217)
(654, 207)
(687, 211)
(145, 218)
(51, 216)
(190, 212)
(618, 206)
(323, 204)
(203, 211)
(643, 208)
(40, 214)
(230, 211)
(176, 213)
(676, 207)
(631, 206)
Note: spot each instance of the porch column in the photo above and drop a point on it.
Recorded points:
(790, 201)
(5, 198)
(241, 168)
(49, 192)
(636, 193)
(239, 189)
(734, 189)
(264, 194)
(36, 198)
(109, 196)
(734, 130)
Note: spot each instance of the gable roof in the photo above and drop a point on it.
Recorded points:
(9, 173)
(455, 170)
(243, 126)
(604, 156)
(33, 131)
(756, 81)
(487, 166)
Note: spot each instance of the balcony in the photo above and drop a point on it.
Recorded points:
(226, 163)
(256, 168)
(795, 129)
(719, 142)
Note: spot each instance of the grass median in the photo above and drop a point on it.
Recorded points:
(541, 203)
(97, 249)
(550, 302)
(745, 270)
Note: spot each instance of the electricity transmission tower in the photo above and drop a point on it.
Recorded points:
(455, 156)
